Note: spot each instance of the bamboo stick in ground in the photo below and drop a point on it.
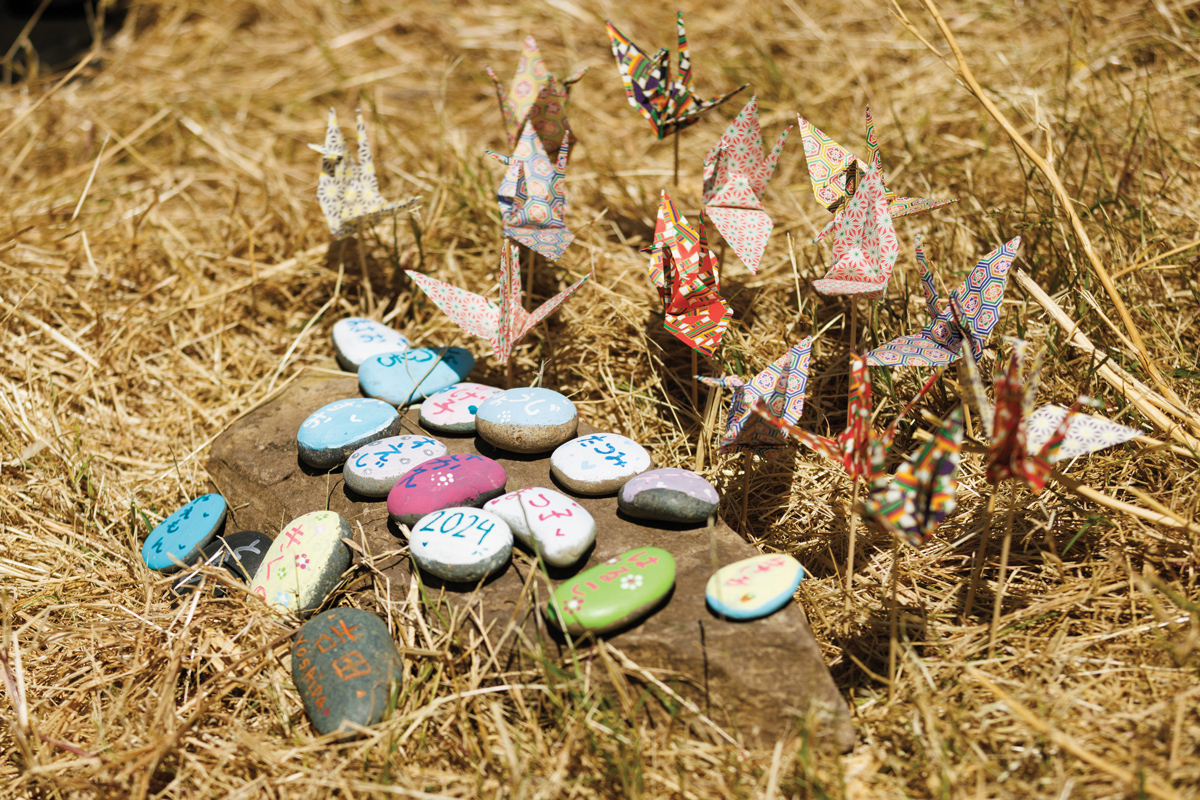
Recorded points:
(1004, 551)
(853, 532)
(980, 553)
(893, 618)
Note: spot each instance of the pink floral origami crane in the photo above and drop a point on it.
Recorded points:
(537, 98)
(864, 243)
(533, 202)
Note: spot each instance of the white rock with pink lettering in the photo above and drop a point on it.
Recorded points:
(547, 522)
(452, 410)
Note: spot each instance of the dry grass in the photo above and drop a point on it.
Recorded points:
(142, 310)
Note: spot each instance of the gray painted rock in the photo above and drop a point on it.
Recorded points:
(529, 420)
(355, 339)
(460, 544)
(669, 494)
(240, 554)
(304, 563)
(598, 463)
(346, 666)
(550, 523)
(181, 536)
(373, 469)
(334, 431)
(443, 483)
(453, 409)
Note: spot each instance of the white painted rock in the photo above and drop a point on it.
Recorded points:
(304, 563)
(453, 409)
(599, 463)
(373, 469)
(460, 544)
(550, 523)
(754, 587)
(355, 339)
(527, 420)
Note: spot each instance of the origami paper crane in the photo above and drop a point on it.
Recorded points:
(668, 105)
(536, 98)
(502, 326)
(978, 299)
(736, 173)
(347, 192)
(780, 387)
(864, 243)
(689, 285)
(1085, 434)
(533, 202)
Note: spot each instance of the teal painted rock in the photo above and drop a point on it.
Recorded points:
(599, 463)
(413, 375)
(181, 536)
(529, 420)
(239, 554)
(355, 339)
(547, 522)
(346, 667)
(453, 409)
(614, 594)
(670, 495)
(373, 469)
(459, 480)
(754, 587)
(304, 563)
(460, 544)
(334, 431)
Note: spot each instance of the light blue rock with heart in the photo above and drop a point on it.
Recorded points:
(355, 339)
(598, 463)
(181, 536)
(412, 375)
(336, 430)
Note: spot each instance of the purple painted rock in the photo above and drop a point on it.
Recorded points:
(467, 480)
(669, 494)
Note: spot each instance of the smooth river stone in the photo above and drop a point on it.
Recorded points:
(444, 482)
(334, 431)
(304, 563)
(669, 494)
(452, 410)
(460, 544)
(599, 463)
(550, 523)
(528, 420)
(614, 594)
(181, 536)
(753, 587)
(403, 378)
(355, 339)
(373, 469)
(239, 554)
(345, 666)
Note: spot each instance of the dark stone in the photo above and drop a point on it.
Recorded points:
(239, 554)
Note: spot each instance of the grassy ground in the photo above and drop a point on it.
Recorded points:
(164, 268)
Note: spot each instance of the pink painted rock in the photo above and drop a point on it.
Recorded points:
(465, 480)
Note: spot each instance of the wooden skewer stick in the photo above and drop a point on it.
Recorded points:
(893, 619)
(1004, 550)
(677, 158)
(853, 534)
(980, 553)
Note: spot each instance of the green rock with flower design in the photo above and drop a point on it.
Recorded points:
(614, 594)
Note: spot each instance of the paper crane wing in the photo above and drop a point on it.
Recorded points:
(1085, 434)
(536, 98)
(532, 196)
(864, 244)
(469, 311)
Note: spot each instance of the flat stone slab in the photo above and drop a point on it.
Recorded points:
(759, 674)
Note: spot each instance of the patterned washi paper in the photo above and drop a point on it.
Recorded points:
(532, 196)
(536, 98)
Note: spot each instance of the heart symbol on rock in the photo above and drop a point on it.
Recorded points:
(586, 465)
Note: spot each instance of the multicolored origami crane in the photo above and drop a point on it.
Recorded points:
(533, 201)
(668, 105)
(736, 173)
(347, 192)
(502, 326)
(978, 300)
(689, 285)
(780, 387)
(536, 98)
(864, 243)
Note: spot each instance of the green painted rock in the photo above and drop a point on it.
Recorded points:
(305, 562)
(613, 594)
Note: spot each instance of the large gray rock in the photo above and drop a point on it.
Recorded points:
(758, 674)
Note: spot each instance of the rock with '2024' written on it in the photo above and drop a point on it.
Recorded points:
(333, 431)
(527, 420)
(754, 587)
(180, 537)
(614, 594)
(599, 463)
(669, 494)
(239, 554)
(345, 666)
(550, 523)
(304, 563)
(460, 544)
(355, 339)
(373, 469)
(444, 482)
(453, 409)
(413, 375)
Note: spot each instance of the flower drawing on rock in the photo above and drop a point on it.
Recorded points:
(632, 582)
(302, 561)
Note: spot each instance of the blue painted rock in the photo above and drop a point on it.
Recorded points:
(346, 668)
(527, 420)
(181, 536)
(460, 544)
(334, 431)
(304, 563)
(669, 494)
(464, 480)
(547, 522)
(754, 587)
(239, 554)
(403, 378)
(599, 463)
(452, 410)
(373, 469)
(614, 594)
(355, 339)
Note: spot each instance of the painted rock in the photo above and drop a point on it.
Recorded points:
(552, 524)
(346, 667)
(373, 469)
(466, 480)
(460, 544)
(239, 554)
(452, 410)
(599, 463)
(355, 339)
(753, 587)
(334, 431)
(669, 494)
(403, 378)
(616, 593)
(181, 536)
(527, 420)
(304, 563)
